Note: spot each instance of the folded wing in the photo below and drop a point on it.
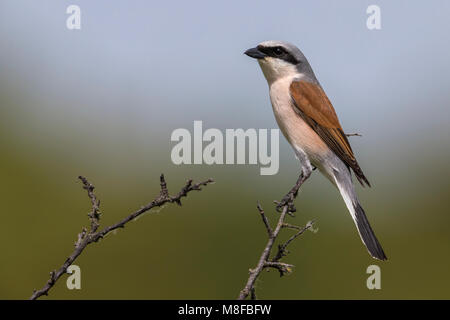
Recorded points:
(313, 105)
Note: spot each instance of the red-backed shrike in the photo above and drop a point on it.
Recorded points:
(307, 119)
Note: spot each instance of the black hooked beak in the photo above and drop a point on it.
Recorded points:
(255, 53)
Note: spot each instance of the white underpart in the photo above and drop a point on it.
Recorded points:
(279, 75)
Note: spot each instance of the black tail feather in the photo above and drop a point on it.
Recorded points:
(367, 234)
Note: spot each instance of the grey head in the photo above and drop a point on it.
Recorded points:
(279, 59)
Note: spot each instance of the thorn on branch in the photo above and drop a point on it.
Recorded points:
(52, 277)
(94, 215)
(353, 135)
(290, 226)
(164, 191)
(283, 268)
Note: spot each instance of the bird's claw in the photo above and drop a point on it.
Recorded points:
(288, 200)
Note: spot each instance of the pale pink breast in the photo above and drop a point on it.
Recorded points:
(298, 133)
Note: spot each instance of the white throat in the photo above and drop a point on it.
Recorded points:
(276, 69)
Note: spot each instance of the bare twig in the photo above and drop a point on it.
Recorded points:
(282, 248)
(264, 219)
(283, 268)
(353, 135)
(287, 208)
(87, 237)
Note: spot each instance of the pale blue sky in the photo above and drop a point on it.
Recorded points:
(164, 64)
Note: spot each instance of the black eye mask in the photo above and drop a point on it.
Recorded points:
(280, 53)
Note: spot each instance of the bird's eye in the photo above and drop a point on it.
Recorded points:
(278, 51)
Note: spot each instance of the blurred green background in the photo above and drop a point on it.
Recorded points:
(103, 101)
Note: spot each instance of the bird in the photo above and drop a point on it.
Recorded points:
(309, 122)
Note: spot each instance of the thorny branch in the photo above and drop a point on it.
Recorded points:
(287, 208)
(87, 237)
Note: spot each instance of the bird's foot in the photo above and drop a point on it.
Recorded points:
(288, 200)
